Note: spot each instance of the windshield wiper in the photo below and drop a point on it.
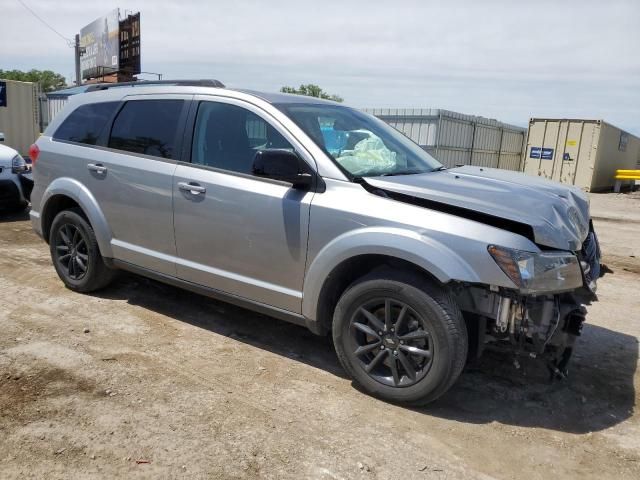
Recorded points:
(405, 172)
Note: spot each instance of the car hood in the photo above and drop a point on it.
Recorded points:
(557, 214)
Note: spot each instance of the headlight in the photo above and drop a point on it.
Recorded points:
(539, 272)
(18, 165)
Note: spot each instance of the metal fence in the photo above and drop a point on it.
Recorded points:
(458, 139)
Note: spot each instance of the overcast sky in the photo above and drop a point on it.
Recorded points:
(509, 60)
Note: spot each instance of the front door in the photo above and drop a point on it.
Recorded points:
(236, 233)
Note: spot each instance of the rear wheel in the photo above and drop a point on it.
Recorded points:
(75, 253)
(400, 336)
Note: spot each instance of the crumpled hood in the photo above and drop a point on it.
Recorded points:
(558, 214)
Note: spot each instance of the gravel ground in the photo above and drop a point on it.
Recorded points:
(145, 380)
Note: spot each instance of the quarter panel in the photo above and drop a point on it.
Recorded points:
(75, 190)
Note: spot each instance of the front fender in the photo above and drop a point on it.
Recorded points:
(83, 197)
(427, 253)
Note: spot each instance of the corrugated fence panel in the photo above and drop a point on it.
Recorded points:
(450, 158)
(510, 161)
(415, 123)
(512, 142)
(488, 138)
(55, 105)
(485, 159)
(455, 134)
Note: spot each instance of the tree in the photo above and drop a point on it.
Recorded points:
(311, 90)
(48, 80)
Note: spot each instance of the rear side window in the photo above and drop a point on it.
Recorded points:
(85, 123)
(147, 126)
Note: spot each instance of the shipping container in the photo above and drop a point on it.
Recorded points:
(585, 153)
(458, 139)
(19, 114)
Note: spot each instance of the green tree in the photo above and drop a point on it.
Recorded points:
(311, 90)
(48, 80)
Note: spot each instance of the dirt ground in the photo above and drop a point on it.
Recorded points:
(145, 380)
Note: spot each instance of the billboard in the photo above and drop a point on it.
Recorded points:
(99, 42)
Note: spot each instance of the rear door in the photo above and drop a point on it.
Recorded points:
(131, 178)
(237, 233)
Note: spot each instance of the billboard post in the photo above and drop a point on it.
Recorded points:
(77, 52)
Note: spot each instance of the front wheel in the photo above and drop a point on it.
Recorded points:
(400, 336)
(75, 253)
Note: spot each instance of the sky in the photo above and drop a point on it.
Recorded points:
(509, 60)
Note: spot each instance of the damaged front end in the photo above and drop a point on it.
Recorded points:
(545, 315)
(542, 313)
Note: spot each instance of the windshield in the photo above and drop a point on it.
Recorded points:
(360, 143)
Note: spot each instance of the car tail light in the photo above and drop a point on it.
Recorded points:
(34, 151)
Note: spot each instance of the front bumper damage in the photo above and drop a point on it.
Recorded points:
(538, 326)
(545, 327)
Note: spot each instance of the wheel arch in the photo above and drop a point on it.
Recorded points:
(66, 193)
(353, 255)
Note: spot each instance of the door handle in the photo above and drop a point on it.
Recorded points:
(191, 187)
(98, 168)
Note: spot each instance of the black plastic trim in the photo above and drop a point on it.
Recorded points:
(26, 182)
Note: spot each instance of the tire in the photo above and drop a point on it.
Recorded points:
(431, 324)
(72, 225)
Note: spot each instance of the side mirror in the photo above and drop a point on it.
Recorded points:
(1, 137)
(283, 165)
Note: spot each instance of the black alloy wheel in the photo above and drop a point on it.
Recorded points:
(75, 252)
(391, 342)
(72, 253)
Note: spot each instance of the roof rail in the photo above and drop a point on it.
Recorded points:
(146, 83)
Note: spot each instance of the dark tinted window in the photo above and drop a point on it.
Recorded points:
(228, 137)
(85, 123)
(147, 126)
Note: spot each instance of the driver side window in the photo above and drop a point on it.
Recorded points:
(228, 137)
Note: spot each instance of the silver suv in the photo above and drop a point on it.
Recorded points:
(319, 214)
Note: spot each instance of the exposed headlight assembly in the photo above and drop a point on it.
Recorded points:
(18, 165)
(539, 272)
